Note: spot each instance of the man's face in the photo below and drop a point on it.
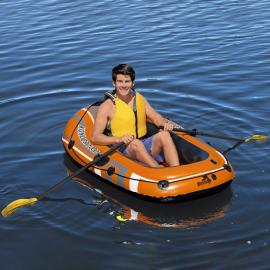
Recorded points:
(123, 84)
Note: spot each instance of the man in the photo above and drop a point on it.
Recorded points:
(123, 116)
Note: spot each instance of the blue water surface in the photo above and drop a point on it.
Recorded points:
(204, 64)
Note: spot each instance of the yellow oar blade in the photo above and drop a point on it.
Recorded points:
(10, 208)
(257, 138)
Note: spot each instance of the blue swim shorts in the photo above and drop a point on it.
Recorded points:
(148, 146)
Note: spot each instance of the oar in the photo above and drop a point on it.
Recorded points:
(195, 132)
(10, 208)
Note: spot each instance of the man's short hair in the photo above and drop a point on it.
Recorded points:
(123, 69)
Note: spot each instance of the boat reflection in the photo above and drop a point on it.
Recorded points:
(127, 207)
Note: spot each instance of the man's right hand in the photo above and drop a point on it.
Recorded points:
(128, 138)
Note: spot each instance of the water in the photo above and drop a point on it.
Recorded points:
(204, 64)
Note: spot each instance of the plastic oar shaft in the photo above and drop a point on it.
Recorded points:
(82, 169)
(195, 132)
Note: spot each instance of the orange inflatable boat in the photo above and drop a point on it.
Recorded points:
(203, 169)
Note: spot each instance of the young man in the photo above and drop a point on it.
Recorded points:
(124, 115)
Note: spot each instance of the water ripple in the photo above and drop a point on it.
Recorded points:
(203, 64)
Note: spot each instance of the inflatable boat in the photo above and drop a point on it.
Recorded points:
(203, 169)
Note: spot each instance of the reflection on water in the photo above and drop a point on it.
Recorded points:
(127, 207)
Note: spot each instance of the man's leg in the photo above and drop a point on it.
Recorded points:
(136, 150)
(162, 141)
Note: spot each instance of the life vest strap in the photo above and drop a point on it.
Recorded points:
(110, 95)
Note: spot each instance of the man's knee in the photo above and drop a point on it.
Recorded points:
(164, 136)
(136, 146)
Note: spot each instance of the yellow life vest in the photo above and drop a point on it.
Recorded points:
(127, 120)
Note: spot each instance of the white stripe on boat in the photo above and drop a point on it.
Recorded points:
(195, 175)
(225, 160)
(91, 116)
(97, 171)
(78, 150)
(133, 184)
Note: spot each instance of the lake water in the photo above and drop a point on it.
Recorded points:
(204, 64)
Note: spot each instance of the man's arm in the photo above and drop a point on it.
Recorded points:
(157, 118)
(101, 120)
